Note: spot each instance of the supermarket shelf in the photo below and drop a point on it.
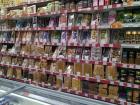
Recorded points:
(72, 60)
(90, 9)
(127, 25)
(49, 28)
(105, 81)
(67, 44)
(114, 6)
(77, 93)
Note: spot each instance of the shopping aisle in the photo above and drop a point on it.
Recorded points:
(89, 48)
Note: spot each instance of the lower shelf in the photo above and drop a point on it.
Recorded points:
(79, 93)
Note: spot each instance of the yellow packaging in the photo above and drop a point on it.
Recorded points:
(78, 68)
(76, 84)
(87, 71)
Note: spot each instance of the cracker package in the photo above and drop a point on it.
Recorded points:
(51, 80)
(78, 69)
(10, 72)
(43, 64)
(37, 64)
(60, 66)
(18, 73)
(93, 88)
(40, 49)
(111, 73)
(98, 71)
(76, 84)
(59, 81)
(31, 63)
(48, 51)
(87, 70)
(67, 82)
(113, 92)
(85, 86)
(103, 90)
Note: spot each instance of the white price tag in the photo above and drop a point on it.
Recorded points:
(131, 66)
(95, 96)
(103, 98)
(76, 92)
(96, 63)
(78, 60)
(121, 84)
(104, 63)
(124, 65)
(112, 82)
(87, 61)
(110, 6)
(86, 95)
(136, 86)
(137, 66)
(122, 103)
(129, 85)
(87, 78)
(69, 59)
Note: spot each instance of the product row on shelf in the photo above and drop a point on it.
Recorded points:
(24, 56)
(83, 37)
(105, 19)
(76, 84)
(52, 5)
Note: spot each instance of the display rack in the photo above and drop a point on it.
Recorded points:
(92, 45)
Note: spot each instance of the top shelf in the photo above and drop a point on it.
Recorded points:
(101, 7)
